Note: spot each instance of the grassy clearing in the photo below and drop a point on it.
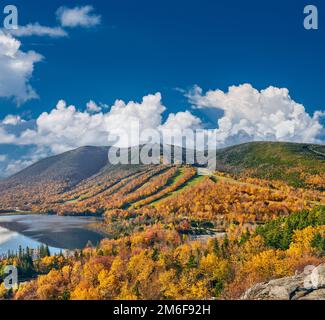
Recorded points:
(189, 183)
(72, 201)
(231, 180)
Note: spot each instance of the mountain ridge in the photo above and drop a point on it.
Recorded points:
(230, 159)
(85, 172)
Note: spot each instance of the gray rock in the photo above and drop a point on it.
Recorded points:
(309, 285)
(315, 295)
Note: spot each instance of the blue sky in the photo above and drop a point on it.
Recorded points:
(144, 47)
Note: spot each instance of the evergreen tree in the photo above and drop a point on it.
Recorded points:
(225, 247)
(191, 262)
(216, 247)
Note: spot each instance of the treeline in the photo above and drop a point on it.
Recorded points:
(28, 261)
(278, 234)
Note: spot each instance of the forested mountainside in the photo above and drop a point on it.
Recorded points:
(81, 179)
(300, 165)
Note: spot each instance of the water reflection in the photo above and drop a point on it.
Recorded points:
(58, 233)
(11, 241)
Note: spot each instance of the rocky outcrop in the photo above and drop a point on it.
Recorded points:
(309, 285)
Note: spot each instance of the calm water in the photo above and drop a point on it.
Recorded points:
(58, 233)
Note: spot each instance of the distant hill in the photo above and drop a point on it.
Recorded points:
(72, 166)
(84, 168)
(266, 157)
(269, 160)
(273, 160)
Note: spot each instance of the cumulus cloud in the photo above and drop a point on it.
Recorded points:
(180, 128)
(252, 115)
(65, 127)
(16, 166)
(17, 66)
(78, 17)
(35, 29)
(248, 115)
(181, 121)
(12, 120)
(93, 107)
(10, 164)
(16, 69)
(5, 137)
(133, 117)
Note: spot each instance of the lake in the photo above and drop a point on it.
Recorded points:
(58, 232)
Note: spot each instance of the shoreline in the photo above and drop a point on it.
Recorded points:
(16, 213)
(73, 237)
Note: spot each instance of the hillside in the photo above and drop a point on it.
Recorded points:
(72, 166)
(82, 180)
(294, 163)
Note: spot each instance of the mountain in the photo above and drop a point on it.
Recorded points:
(254, 154)
(84, 177)
(66, 175)
(264, 159)
(270, 160)
(273, 160)
(82, 163)
(72, 166)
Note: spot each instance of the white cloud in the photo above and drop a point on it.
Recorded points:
(249, 115)
(5, 137)
(16, 166)
(17, 66)
(93, 107)
(181, 121)
(66, 128)
(35, 29)
(3, 157)
(78, 17)
(16, 69)
(10, 166)
(12, 120)
(252, 115)
(180, 127)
